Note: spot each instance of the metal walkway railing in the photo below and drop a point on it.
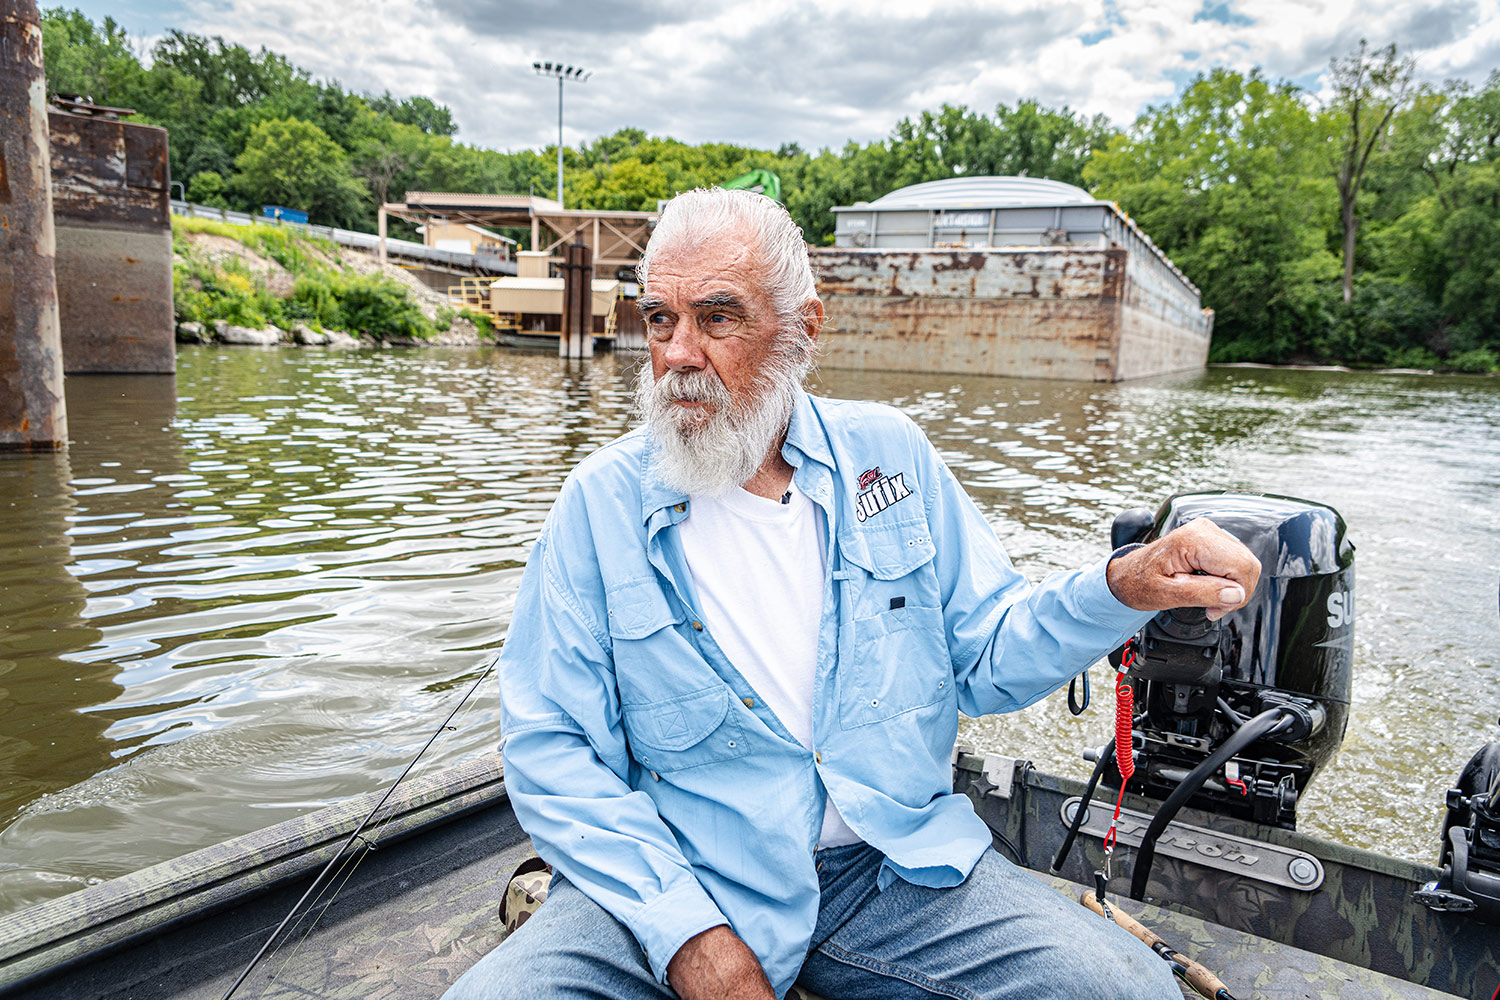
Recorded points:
(400, 250)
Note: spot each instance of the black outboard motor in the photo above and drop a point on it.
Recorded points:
(1291, 647)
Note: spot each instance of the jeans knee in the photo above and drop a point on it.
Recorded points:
(570, 948)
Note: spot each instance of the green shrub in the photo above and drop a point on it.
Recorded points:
(1412, 357)
(1480, 360)
(375, 305)
(372, 304)
(208, 188)
(1394, 319)
(481, 322)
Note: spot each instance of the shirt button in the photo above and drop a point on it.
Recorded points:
(697, 626)
(818, 757)
(874, 702)
(731, 743)
(749, 702)
(679, 508)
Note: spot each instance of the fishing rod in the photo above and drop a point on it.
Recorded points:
(1206, 983)
(354, 837)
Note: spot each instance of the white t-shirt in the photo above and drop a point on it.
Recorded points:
(758, 566)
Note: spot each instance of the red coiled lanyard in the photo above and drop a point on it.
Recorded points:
(1124, 757)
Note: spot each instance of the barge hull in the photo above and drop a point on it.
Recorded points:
(1095, 315)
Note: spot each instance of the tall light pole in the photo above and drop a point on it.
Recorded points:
(577, 75)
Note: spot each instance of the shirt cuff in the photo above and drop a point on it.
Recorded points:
(671, 920)
(1099, 604)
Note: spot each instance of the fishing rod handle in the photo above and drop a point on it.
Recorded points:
(1199, 978)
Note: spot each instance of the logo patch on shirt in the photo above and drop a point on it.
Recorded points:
(878, 492)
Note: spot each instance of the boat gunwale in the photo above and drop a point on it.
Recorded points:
(55, 935)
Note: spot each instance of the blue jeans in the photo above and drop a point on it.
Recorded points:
(1001, 935)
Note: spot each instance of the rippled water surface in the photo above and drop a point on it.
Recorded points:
(256, 588)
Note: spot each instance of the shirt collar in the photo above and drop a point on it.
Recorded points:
(805, 438)
(806, 434)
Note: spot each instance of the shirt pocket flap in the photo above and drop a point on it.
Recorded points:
(678, 723)
(638, 608)
(890, 552)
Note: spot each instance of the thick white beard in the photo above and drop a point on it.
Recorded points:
(711, 453)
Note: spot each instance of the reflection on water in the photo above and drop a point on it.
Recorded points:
(228, 606)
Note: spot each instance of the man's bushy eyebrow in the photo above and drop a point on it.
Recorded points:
(725, 299)
(646, 303)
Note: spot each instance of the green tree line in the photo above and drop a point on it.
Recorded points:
(1363, 229)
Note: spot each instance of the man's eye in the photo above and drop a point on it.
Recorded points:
(718, 318)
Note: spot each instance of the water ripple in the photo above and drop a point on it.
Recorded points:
(254, 589)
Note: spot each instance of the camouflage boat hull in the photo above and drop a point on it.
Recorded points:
(415, 913)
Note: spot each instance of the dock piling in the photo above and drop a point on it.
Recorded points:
(577, 337)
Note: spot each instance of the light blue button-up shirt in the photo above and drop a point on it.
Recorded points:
(648, 771)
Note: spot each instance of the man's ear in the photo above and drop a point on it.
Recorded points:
(812, 319)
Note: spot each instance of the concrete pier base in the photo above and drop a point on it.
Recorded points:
(114, 243)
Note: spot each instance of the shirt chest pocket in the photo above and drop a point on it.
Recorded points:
(687, 731)
(671, 719)
(893, 650)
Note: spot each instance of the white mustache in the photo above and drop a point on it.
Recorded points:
(692, 387)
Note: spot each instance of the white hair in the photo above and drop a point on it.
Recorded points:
(704, 215)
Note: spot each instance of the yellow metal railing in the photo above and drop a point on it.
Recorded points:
(472, 293)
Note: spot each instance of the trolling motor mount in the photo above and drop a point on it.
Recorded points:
(1470, 858)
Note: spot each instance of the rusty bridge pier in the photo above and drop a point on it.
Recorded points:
(33, 415)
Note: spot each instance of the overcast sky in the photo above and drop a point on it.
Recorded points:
(764, 72)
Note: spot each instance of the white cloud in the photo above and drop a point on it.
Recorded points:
(771, 71)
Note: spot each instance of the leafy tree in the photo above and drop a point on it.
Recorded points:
(209, 188)
(1367, 89)
(294, 163)
(86, 59)
(389, 156)
(421, 113)
(1229, 182)
(230, 75)
(1027, 140)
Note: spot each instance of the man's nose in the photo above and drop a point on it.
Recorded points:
(684, 351)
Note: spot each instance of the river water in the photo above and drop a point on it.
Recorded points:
(256, 588)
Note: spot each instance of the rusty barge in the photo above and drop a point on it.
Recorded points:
(1005, 276)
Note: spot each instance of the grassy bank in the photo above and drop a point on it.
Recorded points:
(262, 276)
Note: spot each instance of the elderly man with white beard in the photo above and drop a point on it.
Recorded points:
(736, 664)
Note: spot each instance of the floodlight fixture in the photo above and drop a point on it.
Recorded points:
(578, 75)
